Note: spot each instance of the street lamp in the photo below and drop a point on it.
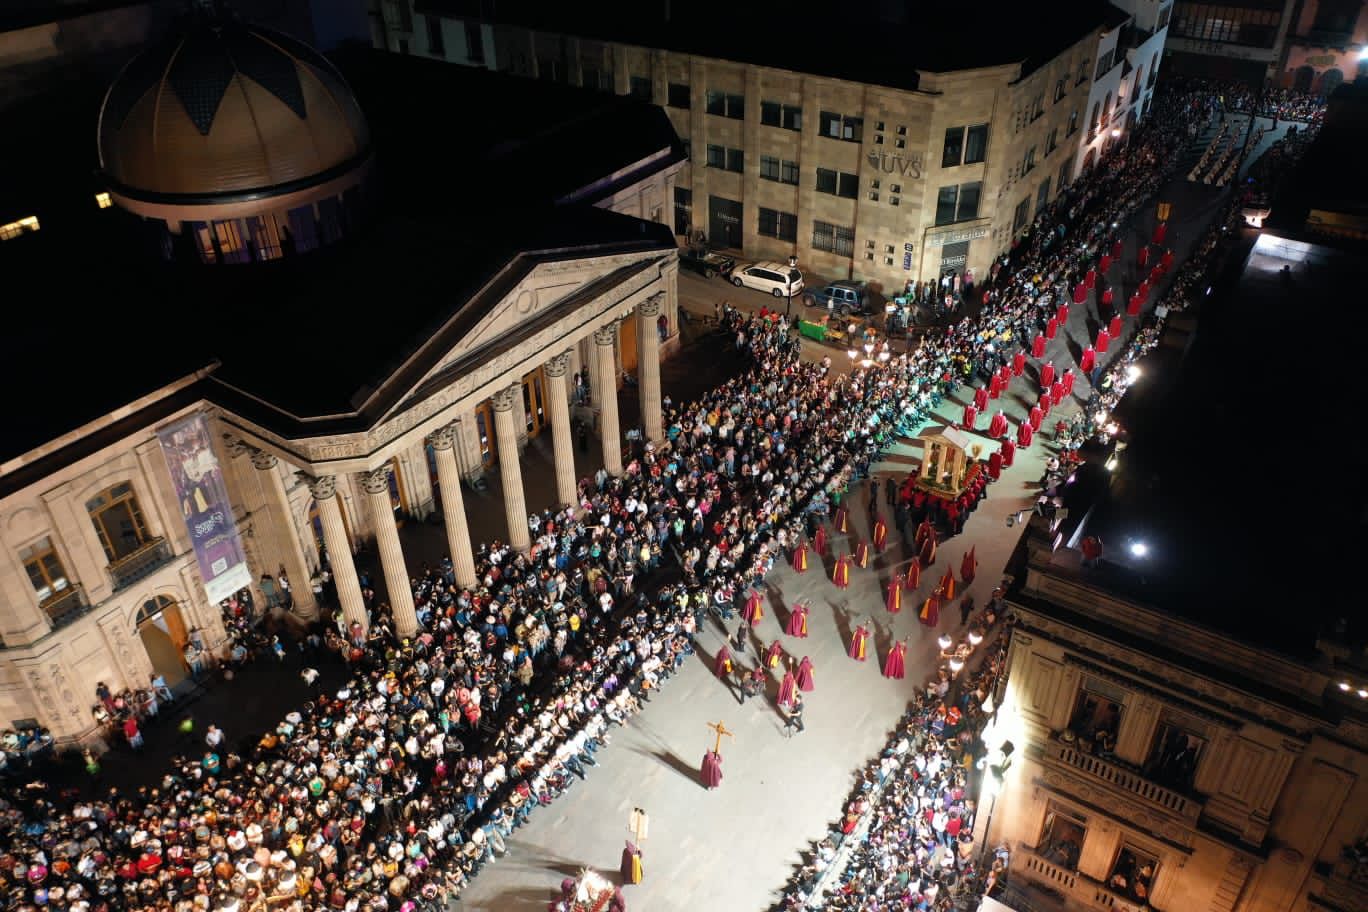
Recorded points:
(788, 286)
(995, 764)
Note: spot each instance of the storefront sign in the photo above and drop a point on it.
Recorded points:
(956, 237)
(953, 262)
(204, 505)
(907, 256)
(907, 166)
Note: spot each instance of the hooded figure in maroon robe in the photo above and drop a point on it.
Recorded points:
(1008, 451)
(895, 666)
(1114, 327)
(981, 399)
(1116, 250)
(970, 416)
(712, 770)
(1056, 392)
(1052, 328)
(995, 466)
(1047, 373)
(805, 680)
(1160, 232)
(1090, 279)
(998, 426)
(1018, 363)
(1103, 340)
(1024, 434)
(1063, 312)
(1088, 361)
(1133, 305)
(1038, 347)
(1105, 265)
(1068, 380)
(1142, 257)
(787, 687)
(1035, 417)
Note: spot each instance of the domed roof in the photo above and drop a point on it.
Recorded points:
(224, 110)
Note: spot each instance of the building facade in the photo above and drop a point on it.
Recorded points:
(1327, 46)
(882, 183)
(1126, 68)
(1244, 40)
(1161, 765)
(122, 534)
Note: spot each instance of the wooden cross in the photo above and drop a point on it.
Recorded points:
(721, 729)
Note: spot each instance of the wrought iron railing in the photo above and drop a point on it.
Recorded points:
(142, 563)
(1125, 779)
(66, 606)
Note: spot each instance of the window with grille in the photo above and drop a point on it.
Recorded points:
(836, 239)
(777, 224)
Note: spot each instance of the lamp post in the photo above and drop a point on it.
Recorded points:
(788, 286)
(994, 766)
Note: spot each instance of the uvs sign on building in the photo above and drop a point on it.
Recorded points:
(909, 166)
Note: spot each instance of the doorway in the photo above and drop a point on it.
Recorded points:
(953, 258)
(484, 431)
(398, 501)
(161, 627)
(534, 402)
(724, 222)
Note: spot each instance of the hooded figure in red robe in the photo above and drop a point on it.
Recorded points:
(862, 554)
(774, 654)
(842, 520)
(970, 416)
(1107, 299)
(1167, 261)
(1116, 250)
(1114, 327)
(925, 528)
(1045, 404)
(1057, 392)
(859, 643)
(1052, 328)
(1018, 363)
(893, 601)
(913, 575)
(1063, 312)
(981, 399)
(947, 585)
(1133, 305)
(998, 426)
(995, 466)
(930, 610)
(1088, 361)
(1160, 232)
(1038, 347)
(1142, 257)
(995, 387)
(631, 864)
(1008, 451)
(1156, 274)
(1143, 290)
(1035, 417)
(1005, 372)
(1104, 266)
(754, 611)
(787, 688)
(1080, 293)
(968, 566)
(805, 682)
(1103, 340)
(1068, 380)
(797, 624)
(819, 541)
(1024, 434)
(1090, 279)
(927, 556)
(711, 773)
(722, 663)
(800, 558)
(895, 666)
(840, 574)
(880, 533)
(1047, 373)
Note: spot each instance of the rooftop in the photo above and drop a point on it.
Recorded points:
(880, 42)
(108, 322)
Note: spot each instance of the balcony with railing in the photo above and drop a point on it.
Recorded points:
(1071, 888)
(66, 606)
(1120, 777)
(140, 564)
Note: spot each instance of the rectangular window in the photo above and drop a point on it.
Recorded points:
(1104, 63)
(945, 204)
(976, 144)
(725, 105)
(1175, 754)
(776, 224)
(44, 569)
(833, 238)
(641, 88)
(1073, 124)
(717, 156)
(1097, 709)
(788, 172)
(1043, 197)
(1132, 874)
(11, 230)
(839, 126)
(1062, 837)
(736, 160)
(1028, 162)
(1023, 215)
(1083, 71)
(786, 117)
(677, 95)
(953, 152)
(118, 521)
(102, 199)
(969, 195)
(474, 36)
(847, 185)
(826, 180)
(1065, 172)
(435, 39)
(769, 167)
(1060, 89)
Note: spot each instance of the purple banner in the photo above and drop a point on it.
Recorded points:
(204, 505)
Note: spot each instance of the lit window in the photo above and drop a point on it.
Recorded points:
(103, 201)
(16, 228)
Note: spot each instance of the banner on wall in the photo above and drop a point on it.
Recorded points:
(204, 505)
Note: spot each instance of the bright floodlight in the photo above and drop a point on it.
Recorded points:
(1139, 549)
(1363, 54)
(1133, 372)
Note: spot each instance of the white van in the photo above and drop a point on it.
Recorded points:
(777, 279)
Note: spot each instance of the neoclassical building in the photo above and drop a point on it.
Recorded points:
(339, 320)
(1162, 764)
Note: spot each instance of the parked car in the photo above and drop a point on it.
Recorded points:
(775, 278)
(842, 298)
(705, 262)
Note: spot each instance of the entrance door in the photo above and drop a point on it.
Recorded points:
(398, 502)
(484, 430)
(724, 222)
(534, 402)
(953, 258)
(627, 343)
(161, 627)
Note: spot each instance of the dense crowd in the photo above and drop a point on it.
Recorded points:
(394, 791)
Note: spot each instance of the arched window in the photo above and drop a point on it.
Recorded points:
(153, 607)
(118, 521)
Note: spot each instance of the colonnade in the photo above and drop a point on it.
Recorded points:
(375, 483)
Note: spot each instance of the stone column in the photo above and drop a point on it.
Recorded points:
(558, 401)
(324, 490)
(648, 366)
(376, 485)
(453, 506)
(510, 470)
(606, 394)
(296, 565)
